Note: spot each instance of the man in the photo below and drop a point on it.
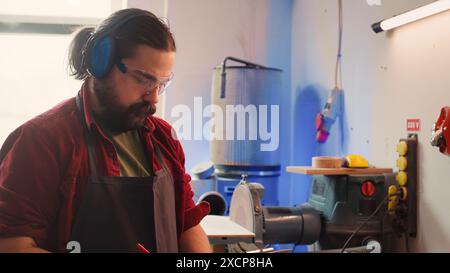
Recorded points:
(98, 172)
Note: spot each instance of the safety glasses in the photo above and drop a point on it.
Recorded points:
(145, 79)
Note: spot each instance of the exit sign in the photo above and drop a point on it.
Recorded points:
(413, 125)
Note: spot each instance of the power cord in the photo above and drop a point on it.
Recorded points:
(406, 242)
(366, 221)
(338, 70)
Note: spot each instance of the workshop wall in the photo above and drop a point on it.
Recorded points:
(206, 32)
(387, 78)
(415, 84)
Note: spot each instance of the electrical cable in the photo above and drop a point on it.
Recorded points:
(338, 69)
(382, 226)
(366, 221)
(406, 242)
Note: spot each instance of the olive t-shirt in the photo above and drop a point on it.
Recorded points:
(130, 152)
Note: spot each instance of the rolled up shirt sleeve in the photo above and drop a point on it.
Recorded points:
(193, 214)
(29, 179)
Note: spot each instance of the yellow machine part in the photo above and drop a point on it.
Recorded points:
(356, 161)
(402, 163)
(393, 200)
(401, 178)
(402, 148)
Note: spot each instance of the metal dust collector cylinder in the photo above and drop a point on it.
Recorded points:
(251, 88)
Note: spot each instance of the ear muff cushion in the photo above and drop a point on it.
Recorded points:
(101, 57)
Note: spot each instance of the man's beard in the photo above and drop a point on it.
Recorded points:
(115, 117)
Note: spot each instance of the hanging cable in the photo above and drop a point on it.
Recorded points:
(358, 229)
(338, 69)
(335, 101)
(406, 242)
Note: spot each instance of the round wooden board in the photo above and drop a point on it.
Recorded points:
(326, 162)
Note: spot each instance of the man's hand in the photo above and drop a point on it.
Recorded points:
(194, 240)
(19, 245)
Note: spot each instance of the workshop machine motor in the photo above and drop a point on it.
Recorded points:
(347, 202)
(338, 204)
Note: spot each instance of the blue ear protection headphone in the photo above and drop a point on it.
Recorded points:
(99, 53)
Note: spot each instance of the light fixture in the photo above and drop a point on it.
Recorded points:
(411, 16)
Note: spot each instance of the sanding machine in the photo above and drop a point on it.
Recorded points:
(357, 211)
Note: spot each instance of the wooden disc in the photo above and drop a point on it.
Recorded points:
(326, 162)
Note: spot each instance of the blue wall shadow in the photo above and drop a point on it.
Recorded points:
(308, 103)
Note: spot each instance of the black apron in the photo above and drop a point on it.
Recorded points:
(118, 213)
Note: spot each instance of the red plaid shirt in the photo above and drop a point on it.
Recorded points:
(44, 169)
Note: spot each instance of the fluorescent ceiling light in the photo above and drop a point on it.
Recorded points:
(411, 16)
